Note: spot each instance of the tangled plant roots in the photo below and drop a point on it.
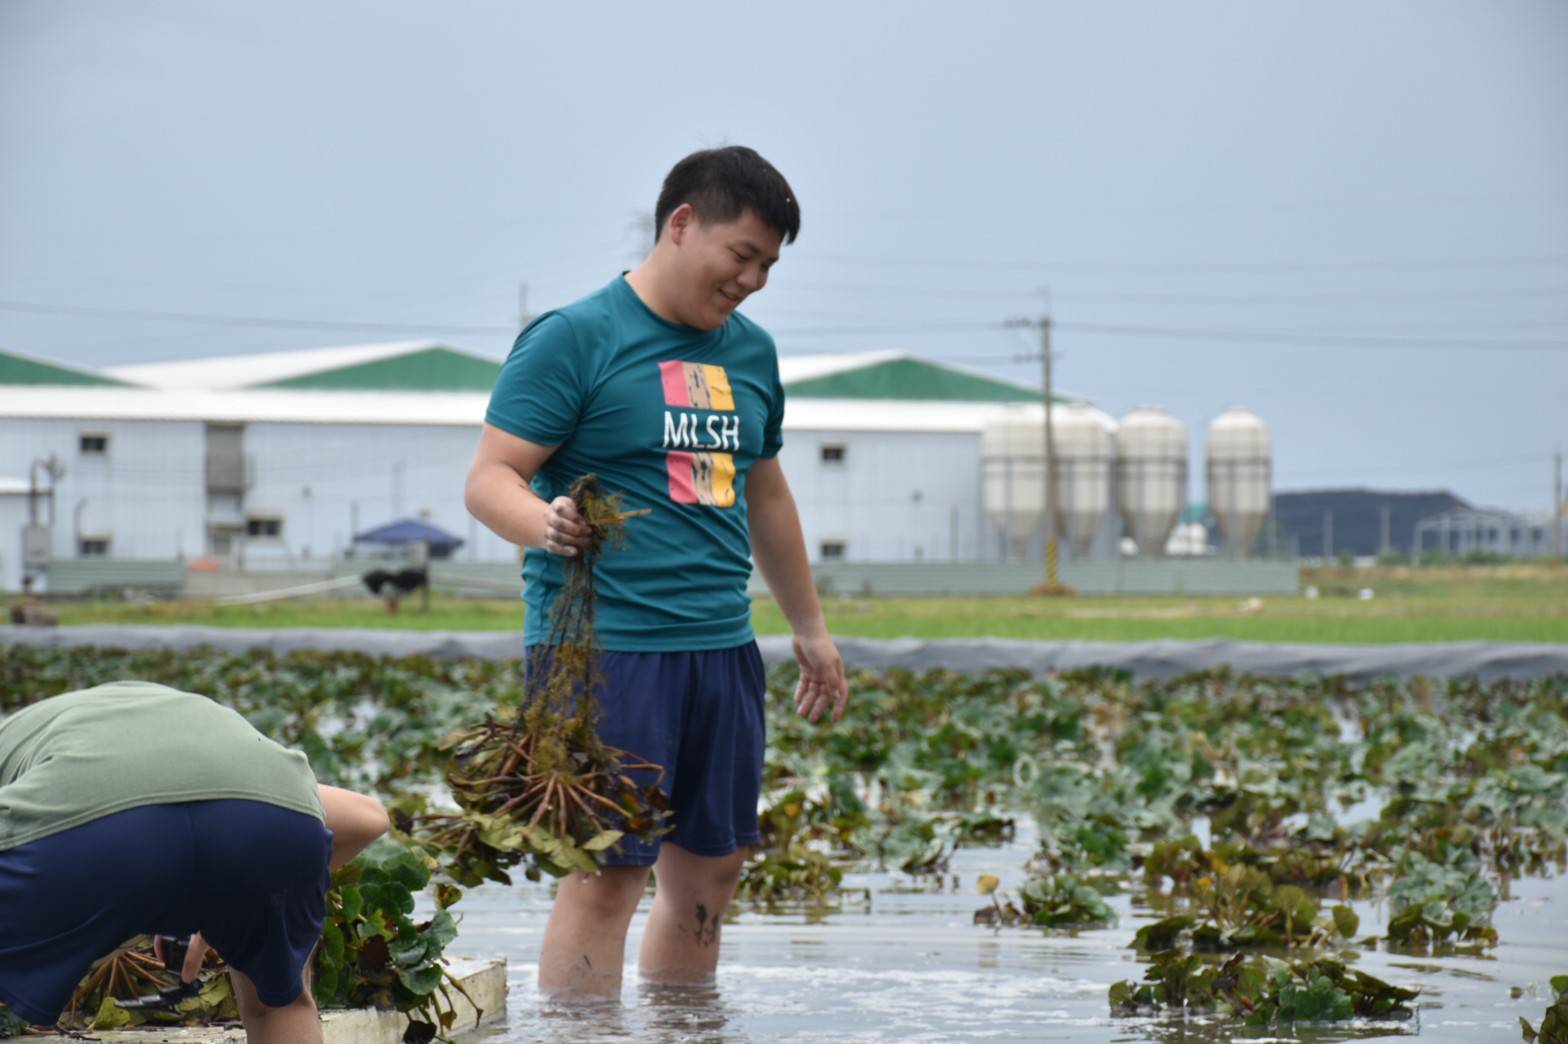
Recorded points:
(542, 785)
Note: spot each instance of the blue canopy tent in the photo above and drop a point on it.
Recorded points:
(433, 542)
(412, 531)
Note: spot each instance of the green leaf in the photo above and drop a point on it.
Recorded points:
(111, 1016)
(1346, 921)
(1161, 935)
(353, 902)
(442, 929)
(407, 870)
(602, 840)
(411, 952)
(327, 986)
(421, 981)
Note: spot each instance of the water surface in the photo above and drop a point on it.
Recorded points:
(911, 966)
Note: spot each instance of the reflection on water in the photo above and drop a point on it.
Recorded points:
(583, 1020)
(685, 1012)
(912, 967)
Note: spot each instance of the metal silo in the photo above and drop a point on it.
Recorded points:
(1151, 476)
(1014, 474)
(1240, 455)
(1085, 455)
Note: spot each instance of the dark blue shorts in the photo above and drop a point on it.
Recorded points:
(251, 877)
(700, 716)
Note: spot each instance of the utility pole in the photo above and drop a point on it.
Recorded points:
(1383, 544)
(1328, 534)
(1559, 507)
(1053, 580)
(524, 316)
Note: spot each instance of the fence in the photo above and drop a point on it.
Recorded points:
(76, 577)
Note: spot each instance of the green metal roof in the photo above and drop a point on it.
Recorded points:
(437, 369)
(910, 380)
(18, 369)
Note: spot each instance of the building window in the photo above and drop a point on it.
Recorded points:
(833, 550)
(265, 527)
(93, 546)
(833, 452)
(94, 444)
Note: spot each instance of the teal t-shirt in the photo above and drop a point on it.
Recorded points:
(670, 417)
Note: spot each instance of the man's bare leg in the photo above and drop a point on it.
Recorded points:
(681, 942)
(585, 939)
(296, 1023)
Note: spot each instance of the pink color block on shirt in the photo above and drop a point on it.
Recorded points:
(673, 373)
(680, 467)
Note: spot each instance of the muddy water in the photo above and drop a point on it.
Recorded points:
(912, 966)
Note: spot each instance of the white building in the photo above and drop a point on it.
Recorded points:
(277, 460)
(13, 520)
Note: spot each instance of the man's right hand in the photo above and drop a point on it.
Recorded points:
(565, 531)
(195, 955)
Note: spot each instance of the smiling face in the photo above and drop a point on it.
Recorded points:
(717, 266)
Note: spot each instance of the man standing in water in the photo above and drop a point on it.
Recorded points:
(657, 385)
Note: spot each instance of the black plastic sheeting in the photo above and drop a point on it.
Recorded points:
(1146, 660)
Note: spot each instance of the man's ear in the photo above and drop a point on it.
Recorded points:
(680, 222)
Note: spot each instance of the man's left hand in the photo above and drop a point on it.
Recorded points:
(822, 682)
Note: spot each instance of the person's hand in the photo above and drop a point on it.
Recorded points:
(195, 955)
(565, 532)
(822, 682)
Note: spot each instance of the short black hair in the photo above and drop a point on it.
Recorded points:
(721, 184)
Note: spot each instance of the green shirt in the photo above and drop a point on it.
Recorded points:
(84, 755)
(672, 418)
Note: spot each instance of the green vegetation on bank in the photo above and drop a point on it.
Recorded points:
(1491, 603)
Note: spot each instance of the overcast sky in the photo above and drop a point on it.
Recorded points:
(1351, 217)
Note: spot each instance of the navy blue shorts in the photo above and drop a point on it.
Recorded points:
(251, 877)
(700, 716)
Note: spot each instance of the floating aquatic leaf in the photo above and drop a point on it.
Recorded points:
(1264, 990)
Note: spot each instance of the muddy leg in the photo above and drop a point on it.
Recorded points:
(681, 943)
(585, 941)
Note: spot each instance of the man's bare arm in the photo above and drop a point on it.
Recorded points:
(780, 553)
(355, 820)
(497, 494)
(779, 549)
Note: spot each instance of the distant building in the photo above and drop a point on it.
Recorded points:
(1329, 522)
(276, 460)
(1364, 523)
(1476, 530)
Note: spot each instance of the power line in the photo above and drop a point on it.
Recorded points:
(899, 329)
(1560, 292)
(1138, 297)
(1285, 337)
(1191, 334)
(1194, 266)
(894, 329)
